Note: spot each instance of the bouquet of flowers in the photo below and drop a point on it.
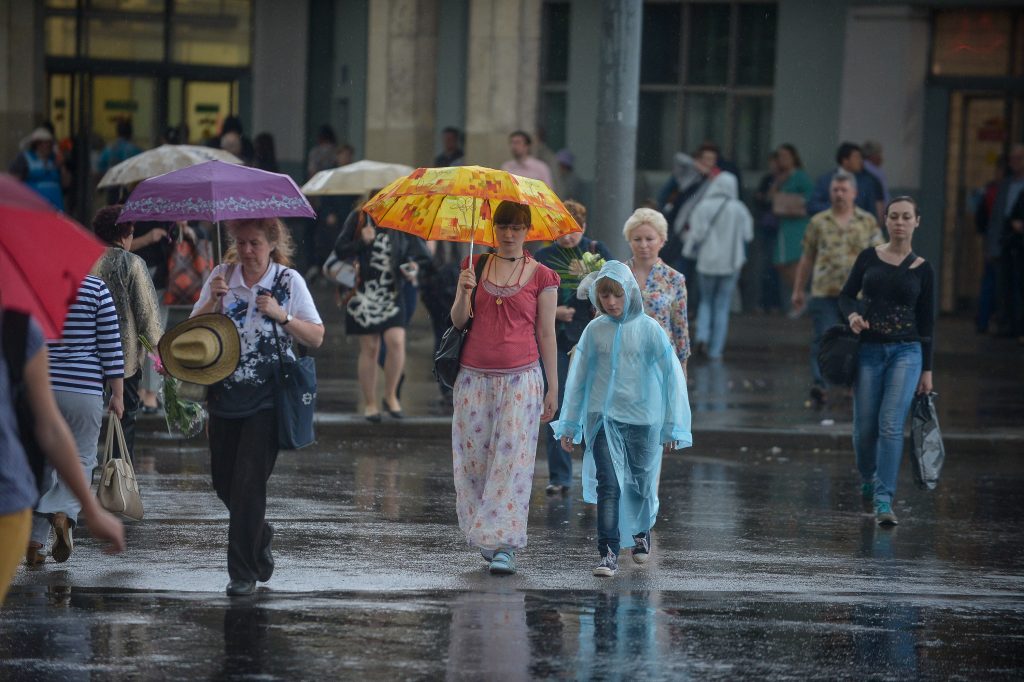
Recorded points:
(182, 416)
(574, 269)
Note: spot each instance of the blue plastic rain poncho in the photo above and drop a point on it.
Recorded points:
(624, 371)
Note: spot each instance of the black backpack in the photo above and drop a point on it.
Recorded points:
(15, 338)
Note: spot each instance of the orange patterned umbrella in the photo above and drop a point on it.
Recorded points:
(456, 204)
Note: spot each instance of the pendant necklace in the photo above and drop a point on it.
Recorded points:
(497, 299)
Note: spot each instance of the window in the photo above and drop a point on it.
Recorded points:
(707, 73)
(202, 32)
(554, 72)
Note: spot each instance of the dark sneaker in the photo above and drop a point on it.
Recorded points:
(487, 554)
(818, 397)
(504, 562)
(867, 491)
(63, 543)
(555, 489)
(34, 555)
(608, 567)
(240, 588)
(884, 515)
(642, 548)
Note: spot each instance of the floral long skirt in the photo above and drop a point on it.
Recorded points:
(494, 444)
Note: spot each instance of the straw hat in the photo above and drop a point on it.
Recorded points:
(202, 350)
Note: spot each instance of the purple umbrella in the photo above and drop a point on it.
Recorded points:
(216, 191)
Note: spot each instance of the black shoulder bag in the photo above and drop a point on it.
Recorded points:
(840, 346)
(446, 359)
(295, 398)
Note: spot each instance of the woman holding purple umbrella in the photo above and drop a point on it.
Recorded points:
(265, 298)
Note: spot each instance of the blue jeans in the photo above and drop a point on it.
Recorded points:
(635, 440)
(825, 313)
(886, 380)
(560, 461)
(713, 310)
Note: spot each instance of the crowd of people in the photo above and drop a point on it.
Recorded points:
(600, 355)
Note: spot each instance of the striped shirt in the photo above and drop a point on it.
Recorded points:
(90, 350)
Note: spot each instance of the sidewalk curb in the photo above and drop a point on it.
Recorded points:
(347, 427)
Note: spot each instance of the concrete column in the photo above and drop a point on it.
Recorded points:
(616, 120)
(22, 85)
(401, 81)
(452, 65)
(279, 59)
(584, 88)
(808, 70)
(501, 92)
(882, 95)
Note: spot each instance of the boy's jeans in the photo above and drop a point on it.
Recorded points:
(713, 312)
(886, 380)
(636, 442)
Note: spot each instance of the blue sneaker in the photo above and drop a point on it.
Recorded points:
(642, 548)
(884, 515)
(487, 554)
(608, 567)
(504, 562)
(867, 491)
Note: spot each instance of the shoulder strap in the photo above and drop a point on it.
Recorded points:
(907, 262)
(479, 270)
(15, 338)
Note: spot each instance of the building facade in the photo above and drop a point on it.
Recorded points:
(940, 84)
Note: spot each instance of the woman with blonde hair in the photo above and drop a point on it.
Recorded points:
(663, 288)
(265, 298)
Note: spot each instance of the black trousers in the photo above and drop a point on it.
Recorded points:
(242, 456)
(132, 403)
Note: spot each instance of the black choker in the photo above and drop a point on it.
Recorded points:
(510, 259)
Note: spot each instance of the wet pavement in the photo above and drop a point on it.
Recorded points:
(766, 564)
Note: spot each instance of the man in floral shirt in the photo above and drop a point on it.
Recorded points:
(831, 243)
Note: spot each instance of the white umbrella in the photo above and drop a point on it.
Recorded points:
(163, 159)
(355, 178)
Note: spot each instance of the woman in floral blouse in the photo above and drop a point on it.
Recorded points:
(664, 289)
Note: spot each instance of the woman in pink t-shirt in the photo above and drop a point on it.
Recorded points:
(499, 394)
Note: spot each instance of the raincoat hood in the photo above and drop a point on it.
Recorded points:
(620, 272)
(723, 186)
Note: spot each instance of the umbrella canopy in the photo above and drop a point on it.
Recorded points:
(163, 159)
(216, 191)
(43, 257)
(456, 204)
(355, 178)
(14, 192)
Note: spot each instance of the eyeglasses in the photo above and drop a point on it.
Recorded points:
(513, 228)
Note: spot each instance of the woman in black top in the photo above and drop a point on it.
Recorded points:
(895, 319)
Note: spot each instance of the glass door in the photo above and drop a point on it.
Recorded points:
(207, 104)
(981, 127)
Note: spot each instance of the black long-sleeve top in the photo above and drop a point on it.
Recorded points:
(898, 306)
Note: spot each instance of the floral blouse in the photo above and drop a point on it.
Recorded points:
(665, 300)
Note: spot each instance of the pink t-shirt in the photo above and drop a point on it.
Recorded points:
(504, 336)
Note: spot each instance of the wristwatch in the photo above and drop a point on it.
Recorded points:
(287, 318)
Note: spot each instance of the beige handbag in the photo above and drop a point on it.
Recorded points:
(789, 205)
(118, 490)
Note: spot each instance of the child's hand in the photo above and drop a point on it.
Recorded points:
(567, 443)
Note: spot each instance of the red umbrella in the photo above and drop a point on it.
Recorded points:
(43, 256)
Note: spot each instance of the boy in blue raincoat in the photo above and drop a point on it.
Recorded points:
(626, 395)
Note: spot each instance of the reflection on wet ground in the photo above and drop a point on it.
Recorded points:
(507, 635)
(765, 564)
